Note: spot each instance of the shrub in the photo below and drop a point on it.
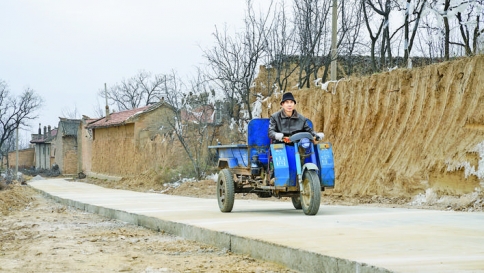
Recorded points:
(172, 175)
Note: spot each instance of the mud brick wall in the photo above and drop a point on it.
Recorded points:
(25, 158)
(70, 156)
(156, 145)
(113, 150)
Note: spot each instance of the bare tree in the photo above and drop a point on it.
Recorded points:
(311, 17)
(445, 18)
(413, 12)
(428, 41)
(99, 110)
(71, 113)
(351, 22)
(442, 9)
(234, 61)
(281, 50)
(349, 30)
(8, 146)
(374, 35)
(224, 62)
(471, 26)
(193, 121)
(140, 90)
(384, 8)
(16, 112)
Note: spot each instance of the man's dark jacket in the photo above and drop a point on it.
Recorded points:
(281, 123)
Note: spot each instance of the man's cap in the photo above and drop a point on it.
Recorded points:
(288, 96)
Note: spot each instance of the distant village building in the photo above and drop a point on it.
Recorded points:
(128, 142)
(44, 146)
(67, 150)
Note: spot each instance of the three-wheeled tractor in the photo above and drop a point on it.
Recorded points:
(300, 168)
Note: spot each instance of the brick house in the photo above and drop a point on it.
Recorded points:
(66, 153)
(128, 142)
(44, 146)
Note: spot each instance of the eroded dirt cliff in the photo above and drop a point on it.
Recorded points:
(404, 132)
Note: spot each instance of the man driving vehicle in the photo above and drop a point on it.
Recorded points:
(288, 121)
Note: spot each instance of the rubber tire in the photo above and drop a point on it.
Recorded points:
(311, 199)
(225, 190)
(296, 202)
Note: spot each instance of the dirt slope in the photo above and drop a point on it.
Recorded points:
(404, 132)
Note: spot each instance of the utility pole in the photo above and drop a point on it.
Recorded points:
(16, 161)
(334, 50)
(107, 106)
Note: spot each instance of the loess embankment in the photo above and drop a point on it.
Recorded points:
(402, 132)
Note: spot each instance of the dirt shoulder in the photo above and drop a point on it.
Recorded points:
(39, 235)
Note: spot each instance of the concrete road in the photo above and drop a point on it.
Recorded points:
(337, 239)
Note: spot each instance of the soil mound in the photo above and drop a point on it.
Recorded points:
(14, 197)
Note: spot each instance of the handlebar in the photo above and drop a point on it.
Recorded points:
(298, 136)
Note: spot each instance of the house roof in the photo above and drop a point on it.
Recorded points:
(124, 117)
(45, 138)
(69, 127)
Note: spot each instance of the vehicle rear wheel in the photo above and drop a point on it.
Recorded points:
(296, 202)
(311, 196)
(225, 190)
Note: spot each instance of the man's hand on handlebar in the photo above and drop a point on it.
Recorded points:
(279, 136)
(288, 140)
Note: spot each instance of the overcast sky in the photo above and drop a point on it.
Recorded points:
(67, 50)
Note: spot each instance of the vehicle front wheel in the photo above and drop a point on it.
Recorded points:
(225, 190)
(311, 195)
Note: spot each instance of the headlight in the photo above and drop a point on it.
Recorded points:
(305, 143)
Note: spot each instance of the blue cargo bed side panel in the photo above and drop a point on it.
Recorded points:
(258, 139)
(236, 155)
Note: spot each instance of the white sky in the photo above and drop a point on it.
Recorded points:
(67, 50)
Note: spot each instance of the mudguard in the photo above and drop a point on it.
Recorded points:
(310, 166)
